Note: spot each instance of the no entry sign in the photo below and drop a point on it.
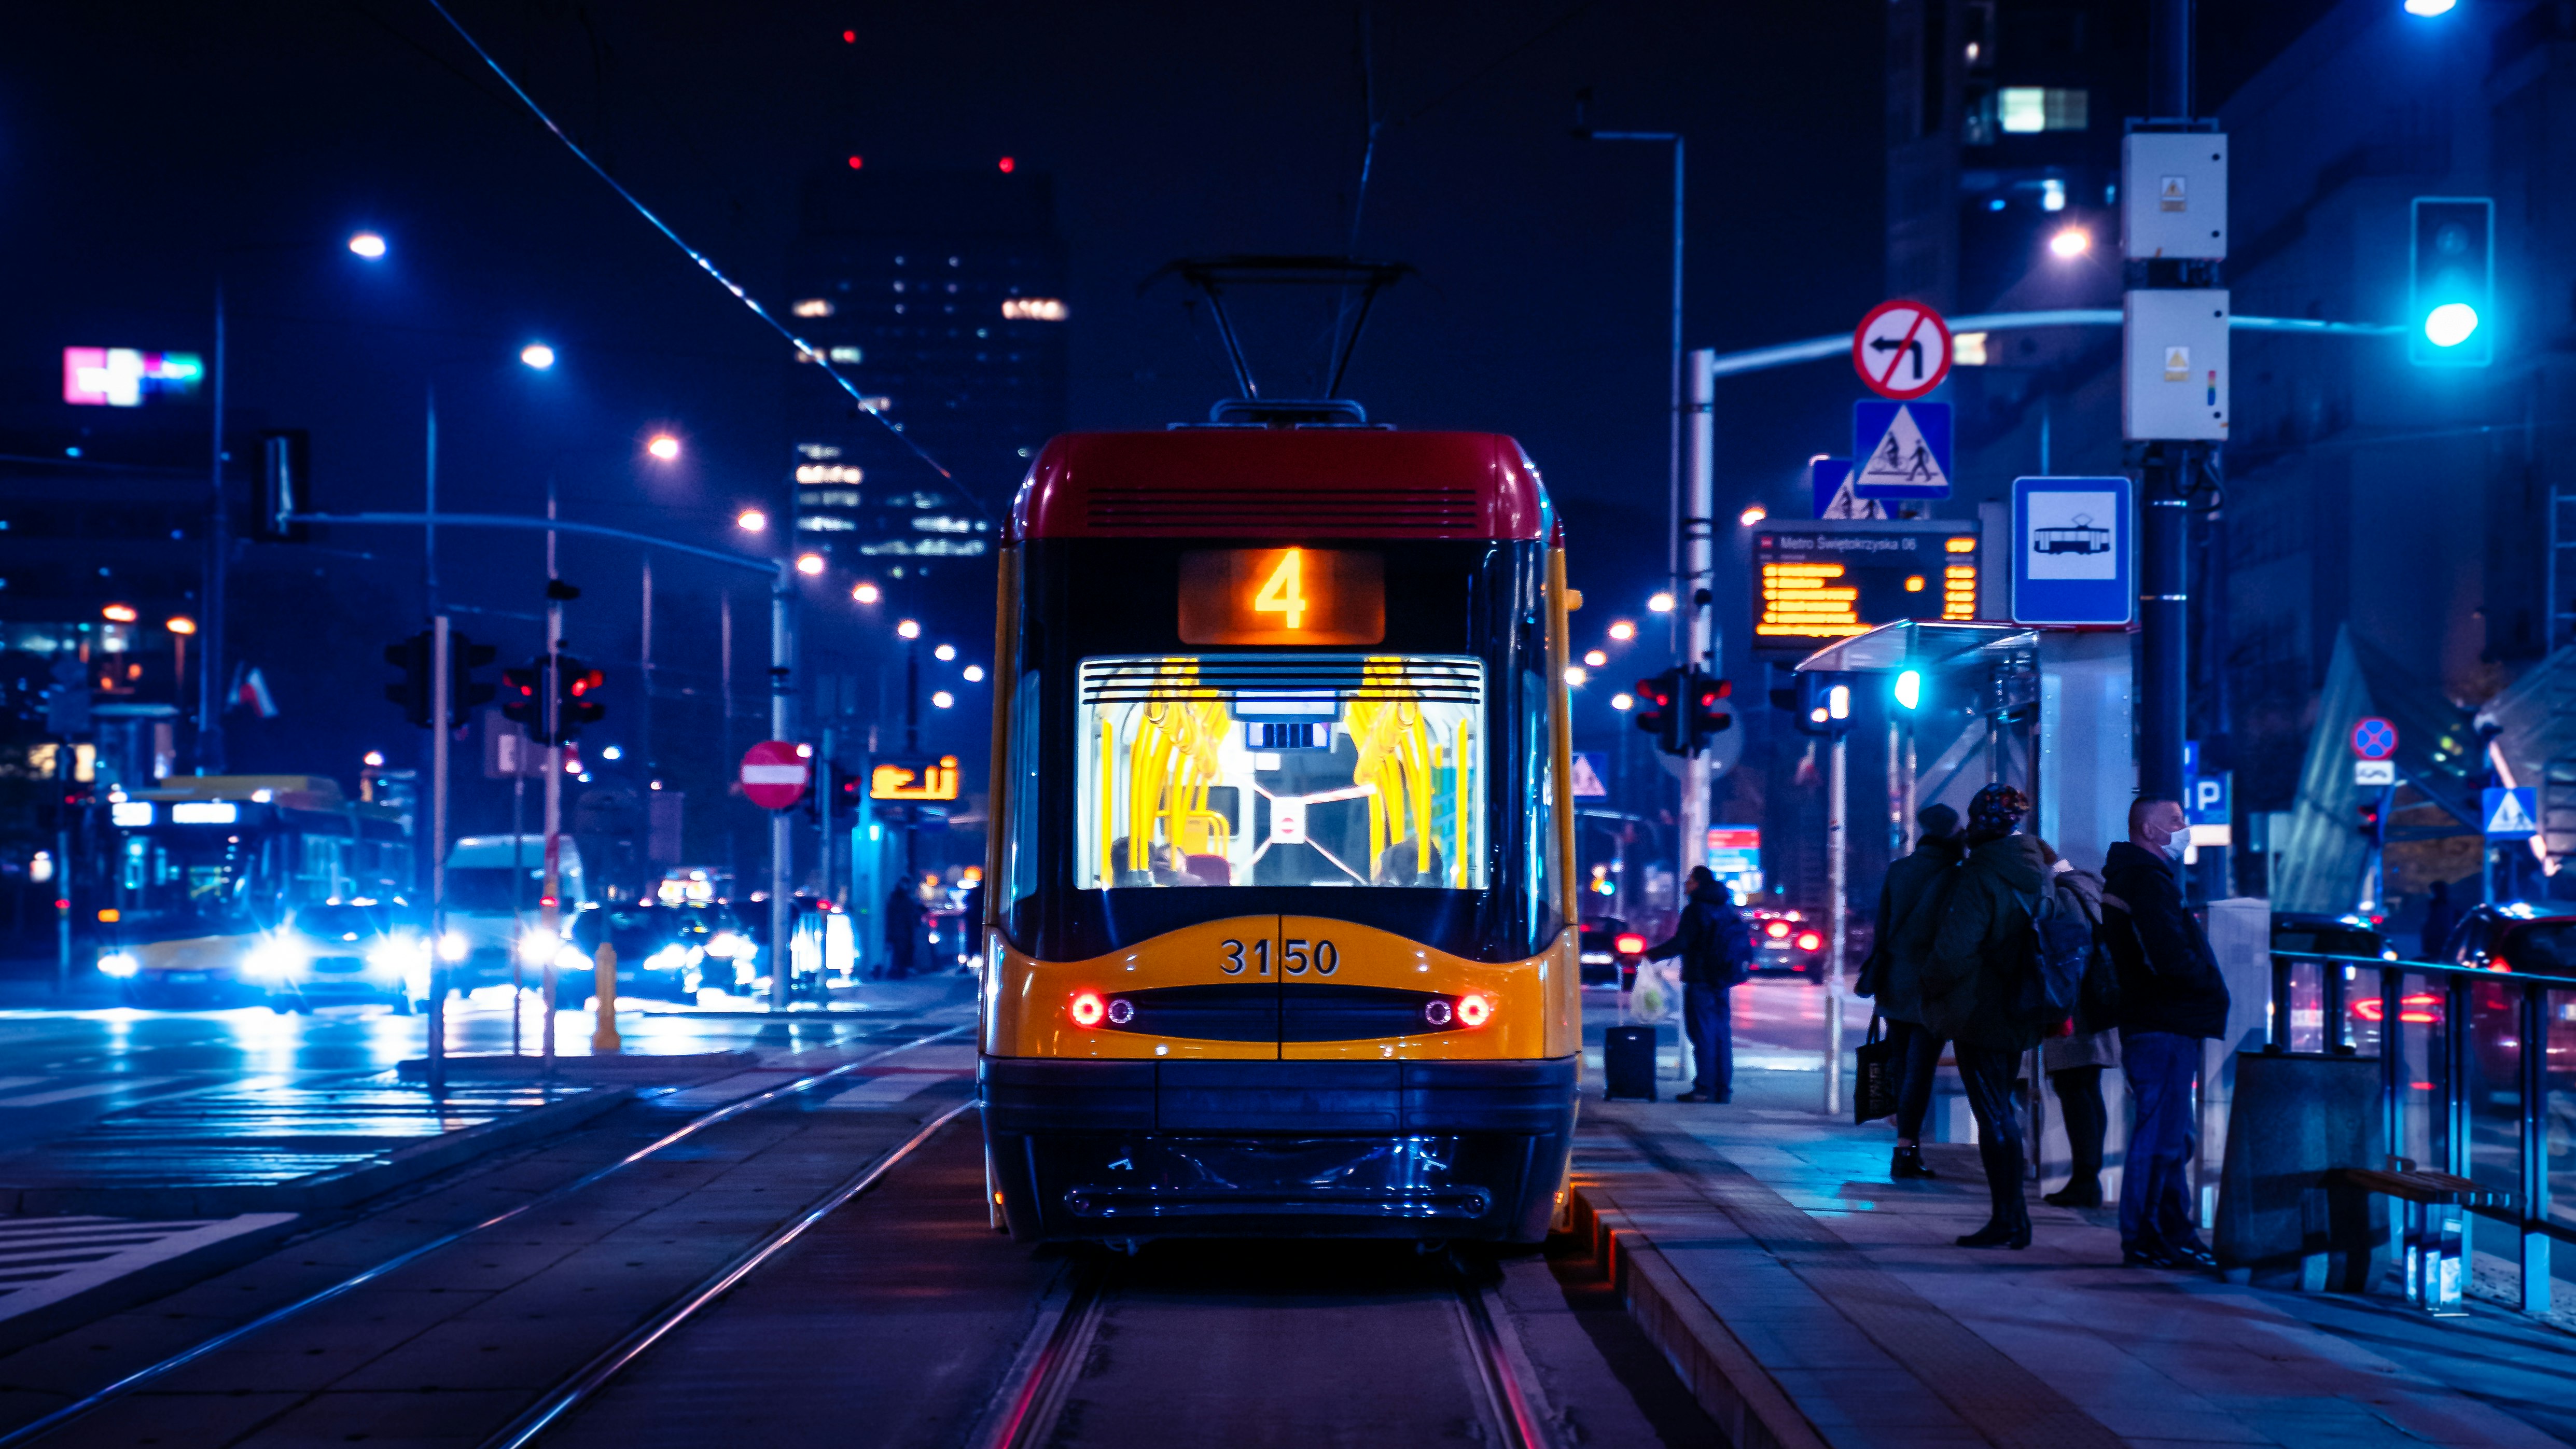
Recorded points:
(1901, 349)
(775, 774)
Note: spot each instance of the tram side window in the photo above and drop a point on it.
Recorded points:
(1539, 739)
(1281, 770)
(1020, 846)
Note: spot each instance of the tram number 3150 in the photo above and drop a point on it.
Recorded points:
(1296, 957)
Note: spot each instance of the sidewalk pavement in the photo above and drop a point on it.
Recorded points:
(1810, 1301)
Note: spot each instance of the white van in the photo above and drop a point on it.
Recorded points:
(494, 883)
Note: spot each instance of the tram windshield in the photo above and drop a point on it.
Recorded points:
(1282, 770)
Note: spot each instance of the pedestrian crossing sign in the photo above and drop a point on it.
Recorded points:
(1587, 775)
(2511, 814)
(1901, 450)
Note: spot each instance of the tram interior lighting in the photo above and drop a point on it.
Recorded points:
(1088, 1008)
(205, 812)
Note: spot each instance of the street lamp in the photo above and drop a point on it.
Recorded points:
(751, 520)
(907, 630)
(944, 653)
(537, 355)
(866, 593)
(1622, 630)
(2070, 243)
(1623, 702)
(664, 447)
(1659, 603)
(1753, 515)
(118, 614)
(2427, 9)
(974, 673)
(1596, 658)
(809, 564)
(1576, 674)
(943, 699)
(369, 245)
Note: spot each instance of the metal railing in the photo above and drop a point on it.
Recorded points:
(2467, 1080)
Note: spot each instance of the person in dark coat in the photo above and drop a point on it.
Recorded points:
(2441, 918)
(1711, 940)
(902, 928)
(1909, 911)
(2172, 998)
(1969, 990)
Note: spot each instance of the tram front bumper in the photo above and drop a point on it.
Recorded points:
(1124, 1149)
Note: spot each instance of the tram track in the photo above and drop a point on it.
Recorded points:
(1049, 1374)
(139, 1379)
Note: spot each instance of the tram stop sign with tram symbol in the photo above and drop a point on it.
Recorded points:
(1901, 349)
(775, 774)
(2071, 551)
(2374, 739)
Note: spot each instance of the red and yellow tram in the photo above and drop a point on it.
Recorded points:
(1280, 924)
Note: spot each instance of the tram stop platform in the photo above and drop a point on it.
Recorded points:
(1810, 1301)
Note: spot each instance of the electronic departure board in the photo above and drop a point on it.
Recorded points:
(1814, 583)
(1282, 596)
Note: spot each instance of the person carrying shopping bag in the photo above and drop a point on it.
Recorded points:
(1715, 949)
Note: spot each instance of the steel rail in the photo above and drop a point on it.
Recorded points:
(78, 1408)
(1499, 1375)
(595, 1375)
(1041, 1380)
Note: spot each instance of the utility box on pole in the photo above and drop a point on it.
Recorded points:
(2173, 195)
(2173, 385)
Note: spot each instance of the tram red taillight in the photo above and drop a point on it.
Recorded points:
(1088, 1008)
(1474, 1011)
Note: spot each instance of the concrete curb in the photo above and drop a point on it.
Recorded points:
(337, 1187)
(1750, 1407)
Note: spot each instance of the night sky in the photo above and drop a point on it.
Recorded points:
(142, 147)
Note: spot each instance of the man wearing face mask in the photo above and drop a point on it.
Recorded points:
(2171, 998)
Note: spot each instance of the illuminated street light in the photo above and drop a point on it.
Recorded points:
(943, 699)
(1596, 658)
(1753, 515)
(1576, 674)
(612, 754)
(809, 564)
(118, 613)
(1622, 630)
(1660, 604)
(181, 624)
(974, 673)
(375, 759)
(2070, 243)
(2429, 8)
(944, 653)
(907, 630)
(369, 245)
(1623, 701)
(664, 447)
(537, 355)
(867, 593)
(751, 520)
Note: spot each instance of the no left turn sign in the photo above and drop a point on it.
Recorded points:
(1902, 350)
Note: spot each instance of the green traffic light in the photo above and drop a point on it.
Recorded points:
(2450, 324)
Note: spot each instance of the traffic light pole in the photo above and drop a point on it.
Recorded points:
(441, 679)
(1698, 595)
(2164, 534)
(550, 899)
(782, 828)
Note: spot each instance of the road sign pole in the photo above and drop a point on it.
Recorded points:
(1698, 594)
(782, 830)
(1837, 877)
(439, 736)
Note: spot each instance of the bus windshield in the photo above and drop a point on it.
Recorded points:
(1281, 770)
(487, 890)
(188, 878)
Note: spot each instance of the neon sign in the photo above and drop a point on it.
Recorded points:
(914, 782)
(122, 377)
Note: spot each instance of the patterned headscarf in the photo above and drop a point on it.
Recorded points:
(1995, 811)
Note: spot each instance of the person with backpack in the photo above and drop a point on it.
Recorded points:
(1715, 948)
(1978, 988)
(2075, 1059)
(1909, 911)
(2172, 998)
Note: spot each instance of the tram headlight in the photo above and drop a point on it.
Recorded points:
(119, 964)
(1088, 1008)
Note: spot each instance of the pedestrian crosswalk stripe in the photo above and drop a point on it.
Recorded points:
(46, 1260)
(85, 1089)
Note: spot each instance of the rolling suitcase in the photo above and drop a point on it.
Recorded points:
(1628, 1063)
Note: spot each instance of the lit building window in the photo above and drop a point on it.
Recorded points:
(848, 354)
(1032, 309)
(2025, 109)
(829, 473)
(812, 307)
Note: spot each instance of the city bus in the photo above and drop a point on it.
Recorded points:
(203, 870)
(1278, 934)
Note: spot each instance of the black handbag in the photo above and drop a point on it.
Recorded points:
(1882, 1068)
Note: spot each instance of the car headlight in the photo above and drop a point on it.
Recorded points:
(119, 964)
(453, 947)
(669, 958)
(538, 947)
(397, 955)
(725, 943)
(273, 958)
(571, 958)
